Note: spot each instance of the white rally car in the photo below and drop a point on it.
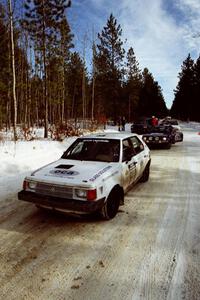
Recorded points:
(92, 175)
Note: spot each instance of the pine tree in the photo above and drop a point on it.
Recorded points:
(42, 19)
(196, 102)
(110, 54)
(134, 83)
(4, 70)
(12, 45)
(184, 94)
(74, 81)
(151, 98)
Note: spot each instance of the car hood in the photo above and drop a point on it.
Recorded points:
(155, 134)
(176, 127)
(65, 171)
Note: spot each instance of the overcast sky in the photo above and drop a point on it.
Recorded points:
(161, 32)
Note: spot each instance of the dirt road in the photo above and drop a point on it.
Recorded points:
(150, 250)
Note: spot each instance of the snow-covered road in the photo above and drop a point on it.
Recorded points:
(150, 250)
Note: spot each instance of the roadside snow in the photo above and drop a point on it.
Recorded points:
(19, 159)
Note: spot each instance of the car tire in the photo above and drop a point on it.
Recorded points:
(42, 208)
(168, 146)
(173, 140)
(145, 174)
(110, 208)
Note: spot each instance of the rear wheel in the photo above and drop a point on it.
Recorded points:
(110, 209)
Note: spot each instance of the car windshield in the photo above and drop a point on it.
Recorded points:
(171, 122)
(94, 150)
(174, 122)
(161, 129)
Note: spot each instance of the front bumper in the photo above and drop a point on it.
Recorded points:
(157, 142)
(71, 205)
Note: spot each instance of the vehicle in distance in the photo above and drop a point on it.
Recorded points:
(178, 134)
(92, 175)
(160, 136)
(141, 126)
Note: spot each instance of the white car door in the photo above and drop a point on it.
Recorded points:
(141, 156)
(129, 163)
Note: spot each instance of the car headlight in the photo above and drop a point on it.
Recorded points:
(81, 193)
(164, 138)
(32, 185)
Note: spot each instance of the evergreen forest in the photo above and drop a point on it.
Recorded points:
(186, 104)
(45, 81)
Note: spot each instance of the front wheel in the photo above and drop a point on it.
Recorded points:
(168, 146)
(110, 208)
(145, 174)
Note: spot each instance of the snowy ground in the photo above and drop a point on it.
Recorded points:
(150, 250)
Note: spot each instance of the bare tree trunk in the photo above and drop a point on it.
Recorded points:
(83, 97)
(83, 83)
(63, 88)
(129, 108)
(73, 101)
(45, 76)
(8, 106)
(93, 94)
(36, 109)
(94, 76)
(13, 69)
(36, 94)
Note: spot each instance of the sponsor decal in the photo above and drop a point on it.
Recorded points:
(113, 174)
(100, 173)
(63, 173)
(132, 166)
(96, 140)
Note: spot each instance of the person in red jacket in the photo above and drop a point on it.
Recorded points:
(154, 121)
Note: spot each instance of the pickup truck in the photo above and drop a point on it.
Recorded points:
(91, 176)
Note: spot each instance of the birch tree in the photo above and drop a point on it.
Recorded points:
(10, 13)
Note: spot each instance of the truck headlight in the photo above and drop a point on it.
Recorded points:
(81, 193)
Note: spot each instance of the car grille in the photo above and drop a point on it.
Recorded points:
(54, 190)
(155, 139)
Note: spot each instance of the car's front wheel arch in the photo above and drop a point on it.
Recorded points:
(113, 201)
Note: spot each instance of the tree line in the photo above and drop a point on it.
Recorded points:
(52, 81)
(186, 104)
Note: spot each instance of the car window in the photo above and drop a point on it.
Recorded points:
(137, 144)
(94, 150)
(128, 150)
(174, 122)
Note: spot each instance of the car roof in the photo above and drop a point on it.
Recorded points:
(109, 135)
